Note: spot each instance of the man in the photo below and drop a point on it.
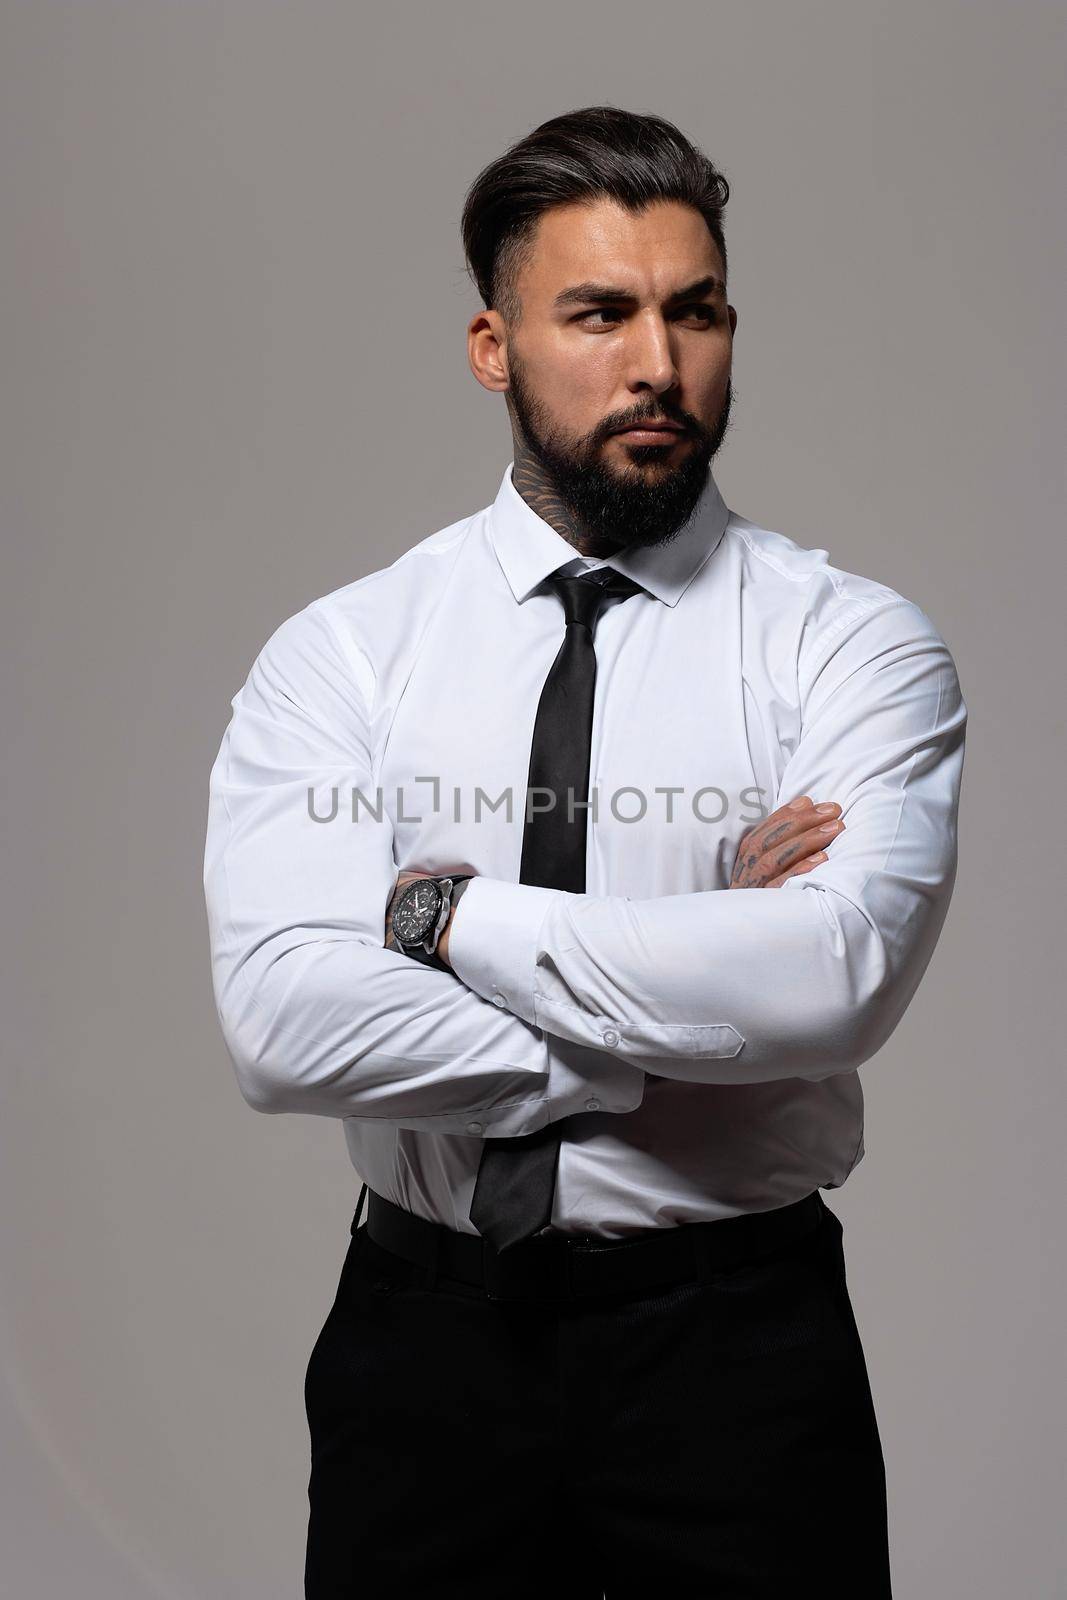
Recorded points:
(489, 834)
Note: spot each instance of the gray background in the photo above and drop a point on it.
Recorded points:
(234, 377)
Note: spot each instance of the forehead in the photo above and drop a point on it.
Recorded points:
(651, 252)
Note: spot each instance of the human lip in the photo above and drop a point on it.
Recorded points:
(650, 436)
(651, 429)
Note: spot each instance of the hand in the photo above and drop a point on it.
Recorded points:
(790, 841)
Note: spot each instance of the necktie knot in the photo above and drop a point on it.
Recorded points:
(584, 596)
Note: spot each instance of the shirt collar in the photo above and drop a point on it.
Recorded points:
(529, 549)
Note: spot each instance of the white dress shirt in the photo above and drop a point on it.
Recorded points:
(702, 1042)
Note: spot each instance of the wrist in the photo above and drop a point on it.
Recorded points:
(442, 942)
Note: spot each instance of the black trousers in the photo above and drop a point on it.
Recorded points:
(713, 1439)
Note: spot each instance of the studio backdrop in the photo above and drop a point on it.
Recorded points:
(233, 314)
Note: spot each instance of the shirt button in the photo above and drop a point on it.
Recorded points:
(499, 1000)
(592, 1105)
(610, 1036)
(475, 1127)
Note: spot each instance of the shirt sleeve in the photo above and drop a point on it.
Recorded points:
(317, 1015)
(750, 985)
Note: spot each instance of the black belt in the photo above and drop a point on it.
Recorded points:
(565, 1266)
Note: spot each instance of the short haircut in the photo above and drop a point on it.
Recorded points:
(598, 152)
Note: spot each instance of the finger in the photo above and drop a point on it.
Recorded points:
(777, 824)
(783, 824)
(801, 866)
(755, 851)
(804, 844)
(752, 870)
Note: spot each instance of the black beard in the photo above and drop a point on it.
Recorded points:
(619, 508)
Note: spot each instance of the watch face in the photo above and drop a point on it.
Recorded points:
(416, 911)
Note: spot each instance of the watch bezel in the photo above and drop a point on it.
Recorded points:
(409, 892)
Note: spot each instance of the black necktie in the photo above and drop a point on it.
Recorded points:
(517, 1177)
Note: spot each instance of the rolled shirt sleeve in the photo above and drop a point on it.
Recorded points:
(317, 1015)
(750, 985)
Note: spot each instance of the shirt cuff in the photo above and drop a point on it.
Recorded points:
(493, 940)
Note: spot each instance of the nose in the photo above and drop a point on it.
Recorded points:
(650, 355)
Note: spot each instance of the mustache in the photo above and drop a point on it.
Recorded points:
(685, 424)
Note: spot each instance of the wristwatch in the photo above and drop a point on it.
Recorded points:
(420, 915)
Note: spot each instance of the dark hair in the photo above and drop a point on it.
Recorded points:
(599, 152)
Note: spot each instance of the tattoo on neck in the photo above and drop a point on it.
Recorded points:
(532, 482)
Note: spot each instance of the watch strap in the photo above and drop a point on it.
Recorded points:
(428, 959)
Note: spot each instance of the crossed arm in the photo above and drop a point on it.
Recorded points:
(320, 1016)
(791, 840)
(748, 987)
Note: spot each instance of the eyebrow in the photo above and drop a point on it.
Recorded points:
(583, 292)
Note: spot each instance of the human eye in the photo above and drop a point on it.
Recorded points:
(698, 308)
(702, 309)
(599, 311)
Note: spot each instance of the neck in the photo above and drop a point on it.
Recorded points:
(536, 488)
